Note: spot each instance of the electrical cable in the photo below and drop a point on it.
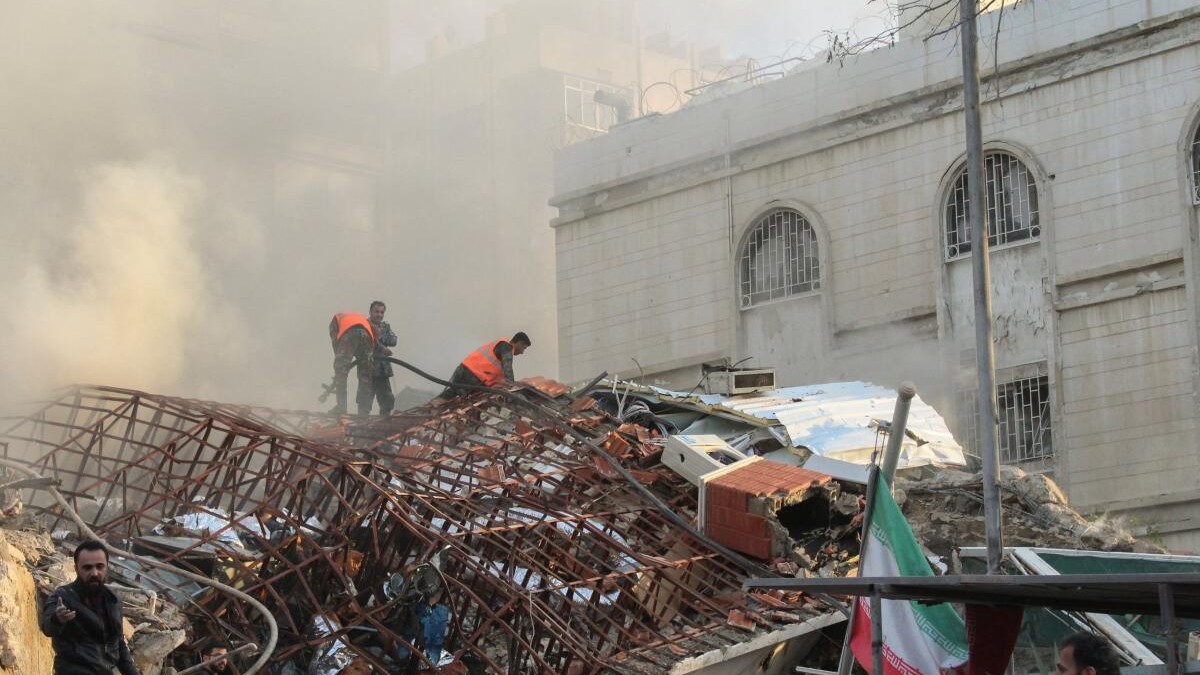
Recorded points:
(754, 568)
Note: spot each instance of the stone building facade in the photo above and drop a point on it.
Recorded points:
(816, 224)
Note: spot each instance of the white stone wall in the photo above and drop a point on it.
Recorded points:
(1096, 104)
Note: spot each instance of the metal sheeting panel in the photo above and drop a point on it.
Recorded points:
(840, 420)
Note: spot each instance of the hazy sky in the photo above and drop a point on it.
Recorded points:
(763, 29)
(189, 190)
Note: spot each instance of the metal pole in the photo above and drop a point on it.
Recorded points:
(847, 659)
(891, 456)
(589, 386)
(985, 357)
(1166, 611)
(876, 632)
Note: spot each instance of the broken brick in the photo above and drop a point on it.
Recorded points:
(582, 403)
(616, 446)
(770, 600)
(739, 619)
(782, 616)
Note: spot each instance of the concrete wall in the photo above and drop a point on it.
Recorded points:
(1097, 98)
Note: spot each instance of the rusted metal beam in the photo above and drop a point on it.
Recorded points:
(312, 514)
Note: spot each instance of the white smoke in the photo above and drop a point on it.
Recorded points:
(120, 296)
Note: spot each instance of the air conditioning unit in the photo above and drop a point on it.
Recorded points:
(733, 382)
(695, 456)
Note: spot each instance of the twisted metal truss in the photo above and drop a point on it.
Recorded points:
(552, 562)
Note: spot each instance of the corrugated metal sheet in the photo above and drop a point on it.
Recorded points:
(839, 420)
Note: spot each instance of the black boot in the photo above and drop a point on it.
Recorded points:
(340, 408)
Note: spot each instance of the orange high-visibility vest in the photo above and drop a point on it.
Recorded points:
(484, 364)
(347, 320)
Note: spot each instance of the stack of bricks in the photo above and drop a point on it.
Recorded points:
(738, 503)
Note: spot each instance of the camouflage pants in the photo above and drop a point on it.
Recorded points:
(355, 348)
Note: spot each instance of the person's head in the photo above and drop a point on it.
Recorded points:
(520, 343)
(1087, 654)
(91, 565)
(217, 652)
(377, 310)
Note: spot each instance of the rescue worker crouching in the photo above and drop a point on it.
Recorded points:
(487, 366)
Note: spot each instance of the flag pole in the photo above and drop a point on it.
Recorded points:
(891, 457)
(847, 660)
(876, 632)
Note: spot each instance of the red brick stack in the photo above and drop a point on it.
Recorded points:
(737, 503)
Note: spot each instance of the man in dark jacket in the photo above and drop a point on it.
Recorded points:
(385, 339)
(83, 620)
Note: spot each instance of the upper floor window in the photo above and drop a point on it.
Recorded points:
(581, 107)
(1196, 166)
(1012, 205)
(779, 258)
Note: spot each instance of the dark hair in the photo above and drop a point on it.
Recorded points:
(378, 303)
(90, 545)
(522, 337)
(1090, 650)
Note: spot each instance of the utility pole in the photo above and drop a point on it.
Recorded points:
(985, 357)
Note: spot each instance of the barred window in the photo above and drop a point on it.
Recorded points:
(1012, 205)
(779, 258)
(1023, 433)
(1196, 166)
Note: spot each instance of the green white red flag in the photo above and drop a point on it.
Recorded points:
(917, 639)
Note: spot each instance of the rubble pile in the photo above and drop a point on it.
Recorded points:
(33, 566)
(482, 535)
(522, 531)
(945, 509)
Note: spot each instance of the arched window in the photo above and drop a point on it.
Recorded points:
(779, 258)
(1196, 166)
(1012, 205)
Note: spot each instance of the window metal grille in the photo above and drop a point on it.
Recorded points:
(1023, 432)
(1196, 167)
(581, 109)
(1012, 205)
(779, 258)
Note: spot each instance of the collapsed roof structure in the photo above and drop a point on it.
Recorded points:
(561, 533)
(501, 506)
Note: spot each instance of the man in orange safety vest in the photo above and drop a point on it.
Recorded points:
(487, 366)
(353, 340)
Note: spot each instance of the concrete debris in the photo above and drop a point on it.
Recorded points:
(150, 649)
(945, 509)
(487, 534)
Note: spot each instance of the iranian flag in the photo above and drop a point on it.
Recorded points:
(917, 639)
